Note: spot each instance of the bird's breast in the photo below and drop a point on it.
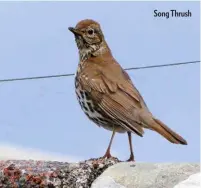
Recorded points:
(92, 110)
(87, 104)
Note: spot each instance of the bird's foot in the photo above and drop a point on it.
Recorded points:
(131, 159)
(107, 156)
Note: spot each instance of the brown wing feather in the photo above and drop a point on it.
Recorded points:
(115, 74)
(121, 113)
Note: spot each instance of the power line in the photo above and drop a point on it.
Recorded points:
(71, 74)
(163, 65)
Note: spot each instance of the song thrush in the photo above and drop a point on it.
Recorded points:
(106, 93)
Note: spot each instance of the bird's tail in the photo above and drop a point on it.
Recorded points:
(166, 132)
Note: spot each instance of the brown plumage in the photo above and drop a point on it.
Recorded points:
(106, 92)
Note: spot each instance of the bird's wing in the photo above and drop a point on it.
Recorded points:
(115, 95)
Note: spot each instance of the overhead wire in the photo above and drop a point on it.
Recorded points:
(72, 74)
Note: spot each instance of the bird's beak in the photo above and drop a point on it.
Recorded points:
(75, 31)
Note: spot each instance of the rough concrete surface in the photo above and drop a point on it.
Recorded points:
(51, 174)
(145, 175)
(94, 173)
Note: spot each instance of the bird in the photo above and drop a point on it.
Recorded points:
(106, 93)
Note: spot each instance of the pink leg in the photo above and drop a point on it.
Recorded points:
(131, 147)
(107, 154)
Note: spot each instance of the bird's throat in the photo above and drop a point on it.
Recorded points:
(93, 51)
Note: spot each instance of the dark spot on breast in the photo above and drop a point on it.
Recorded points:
(78, 96)
(87, 115)
(82, 94)
(95, 120)
(86, 108)
(90, 107)
(87, 96)
(76, 82)
(98, 110)
(102, 119)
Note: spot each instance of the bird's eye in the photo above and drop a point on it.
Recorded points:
(90, 31)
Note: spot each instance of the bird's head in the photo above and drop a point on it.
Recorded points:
(89, 38)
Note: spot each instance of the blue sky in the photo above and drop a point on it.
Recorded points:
(44, 114)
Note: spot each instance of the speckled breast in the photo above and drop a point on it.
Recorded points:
(92, 111)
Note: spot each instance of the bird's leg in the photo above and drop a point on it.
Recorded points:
(107, 154)
(131, 147)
